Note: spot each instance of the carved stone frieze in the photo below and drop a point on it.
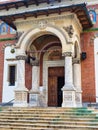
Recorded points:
(35, 22)
(69, 29)
(20, 57)
(67, 54)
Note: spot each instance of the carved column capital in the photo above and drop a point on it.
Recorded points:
(21, 57)
(76, 61)
(34, 62)
(67, 54)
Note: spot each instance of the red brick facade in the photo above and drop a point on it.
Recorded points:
(88, 65)
(87, 68)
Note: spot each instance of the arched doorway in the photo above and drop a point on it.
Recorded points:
(48, 50)
(55, 80)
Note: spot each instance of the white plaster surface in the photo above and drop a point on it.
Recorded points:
(8, 91)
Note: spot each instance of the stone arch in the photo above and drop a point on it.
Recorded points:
(48, 53)
(46, 46)
(34, 33)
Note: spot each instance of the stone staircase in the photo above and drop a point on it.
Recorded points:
(49, 118)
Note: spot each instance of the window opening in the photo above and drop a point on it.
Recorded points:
(12, 75)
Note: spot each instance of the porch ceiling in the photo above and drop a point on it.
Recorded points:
(79, 9)
(41, 41)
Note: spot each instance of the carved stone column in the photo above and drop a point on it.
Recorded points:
(68, 89)
(21, 91)
(34, 92)
(77, 81)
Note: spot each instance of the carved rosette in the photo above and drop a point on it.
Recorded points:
(76, 61)
(67, 54)
(21, 57)
(42, 24)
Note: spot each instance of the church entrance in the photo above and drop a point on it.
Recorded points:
(55, 83)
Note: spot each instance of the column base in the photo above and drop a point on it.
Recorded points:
(78, 98)
(68, 96)
(20, 104)
(21, 97)
(34, 98)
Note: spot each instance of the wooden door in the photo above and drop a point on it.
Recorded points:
(53, 74)
(52, 91)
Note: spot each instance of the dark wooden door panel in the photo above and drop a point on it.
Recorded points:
(56, 71)
(52, 91)
(53, 88)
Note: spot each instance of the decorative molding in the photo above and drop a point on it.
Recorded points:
(20, 57)
(67, 54)
(69, 29)
(51, 19)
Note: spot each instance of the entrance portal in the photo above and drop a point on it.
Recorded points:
(55, 83)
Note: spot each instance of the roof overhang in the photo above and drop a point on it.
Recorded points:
(79, 9)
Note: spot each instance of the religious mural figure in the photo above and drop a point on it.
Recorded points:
(92, 14)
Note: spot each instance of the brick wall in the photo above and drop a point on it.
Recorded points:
(87, 68)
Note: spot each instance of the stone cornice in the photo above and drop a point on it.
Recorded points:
(47, 20)
(44, 18)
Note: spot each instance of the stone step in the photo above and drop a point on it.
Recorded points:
(54, 121)
(28, 115)
(49, 112)
(47, 116)
(37, 125)
(45, 109)
(49, 119)
(41, 128)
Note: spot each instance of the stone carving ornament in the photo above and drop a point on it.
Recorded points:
(42, 24)
(69, 29)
